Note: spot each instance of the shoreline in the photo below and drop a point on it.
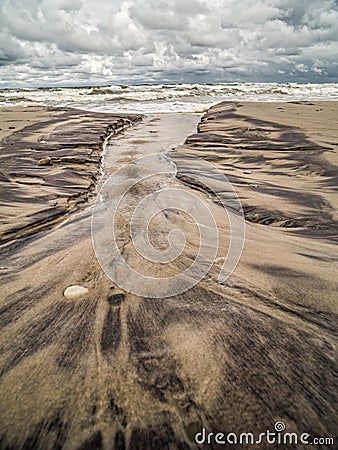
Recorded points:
(185, 97)
(111, 368)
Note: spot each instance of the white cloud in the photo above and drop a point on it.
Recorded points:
(180, 40)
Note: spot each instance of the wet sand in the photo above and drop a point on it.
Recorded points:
(282, 161)
(114, 370)
(50, 162)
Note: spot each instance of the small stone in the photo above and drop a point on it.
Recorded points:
(45, 161)
(247, 171)
(75, 291)
(220, 260)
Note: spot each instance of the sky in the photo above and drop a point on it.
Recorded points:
(95, 42)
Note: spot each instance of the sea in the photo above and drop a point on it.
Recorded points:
(165, 98)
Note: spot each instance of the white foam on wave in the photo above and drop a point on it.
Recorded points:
(164, 98)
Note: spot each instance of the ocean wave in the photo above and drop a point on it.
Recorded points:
(144, 98)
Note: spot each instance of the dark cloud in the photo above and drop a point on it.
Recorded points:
(54, 41)
(10, 50)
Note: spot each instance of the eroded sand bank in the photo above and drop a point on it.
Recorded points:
(50, 161)
(106, 370)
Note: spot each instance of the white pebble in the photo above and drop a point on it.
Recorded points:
(75, 291)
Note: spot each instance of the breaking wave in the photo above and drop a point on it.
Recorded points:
(150, 98)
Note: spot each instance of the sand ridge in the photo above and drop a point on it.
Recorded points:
(49, 164)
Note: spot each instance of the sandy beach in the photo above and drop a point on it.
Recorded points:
(112, 370)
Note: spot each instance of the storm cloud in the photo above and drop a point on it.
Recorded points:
(74, 42)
